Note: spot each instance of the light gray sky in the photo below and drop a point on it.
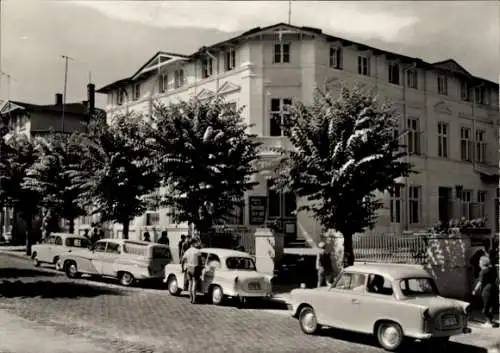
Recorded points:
(114, 38)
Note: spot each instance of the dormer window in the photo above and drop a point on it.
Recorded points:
(136, 91)
(179, 78)
(336, 57)
(282, 53)
(206, 67)
(229, 59)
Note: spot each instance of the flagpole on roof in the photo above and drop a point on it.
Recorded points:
(289, 12)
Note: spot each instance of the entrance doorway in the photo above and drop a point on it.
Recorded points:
(281, 207)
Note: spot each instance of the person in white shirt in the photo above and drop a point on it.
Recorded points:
(193, 268)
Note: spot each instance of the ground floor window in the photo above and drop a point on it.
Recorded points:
(395, 204)
(414, 204)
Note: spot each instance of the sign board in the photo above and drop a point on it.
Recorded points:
(257, 208)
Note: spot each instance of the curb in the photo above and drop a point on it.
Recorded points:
(17, 254)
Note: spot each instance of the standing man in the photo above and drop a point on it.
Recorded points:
(164, 238)
(187, 244)
(193, 268)
(324, 266)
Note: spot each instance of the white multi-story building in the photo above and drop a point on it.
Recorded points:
(451, 116)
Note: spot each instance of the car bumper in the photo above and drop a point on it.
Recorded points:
(426, 336)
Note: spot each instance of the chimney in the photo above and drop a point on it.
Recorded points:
(91, 99)
(59, 99)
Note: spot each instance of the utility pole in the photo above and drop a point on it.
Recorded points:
(1, 47)
(289, 12)
(66, 58)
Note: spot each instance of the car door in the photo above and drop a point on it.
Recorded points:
(97, 256)
(379, 301)
(212, 265)
(56, 249)
(108, 259)
(45, 249)
(343, 301)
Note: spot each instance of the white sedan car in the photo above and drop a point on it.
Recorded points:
(227, 273)
(392, 302)
(55, 245)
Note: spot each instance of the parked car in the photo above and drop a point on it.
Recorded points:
(392, 302)
(50, 249)
(127, 260)
(227, 273)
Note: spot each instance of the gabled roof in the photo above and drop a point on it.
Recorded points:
(449, 65)
(70, 108)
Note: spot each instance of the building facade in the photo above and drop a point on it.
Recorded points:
(450, 117)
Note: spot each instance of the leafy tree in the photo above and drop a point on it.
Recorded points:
(49, 177)
(116, 170)
(205, 158)
(17, 156)
(344, 150)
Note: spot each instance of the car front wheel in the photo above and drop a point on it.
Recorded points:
(36, 263)
(308, 321)
(173, 286)
(126, 279)
(390, 336)
(71, 269)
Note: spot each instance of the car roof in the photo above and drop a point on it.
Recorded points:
(130, 241)
(67, 235)
(393, 271)
(225, 252)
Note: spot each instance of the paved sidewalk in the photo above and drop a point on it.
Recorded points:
(21, 336)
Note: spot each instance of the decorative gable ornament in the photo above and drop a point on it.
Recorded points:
(228, 87)
(205, 94)
(443, 108)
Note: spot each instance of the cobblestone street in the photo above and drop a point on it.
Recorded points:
(146, 320)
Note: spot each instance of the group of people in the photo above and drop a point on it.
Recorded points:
(163, 239)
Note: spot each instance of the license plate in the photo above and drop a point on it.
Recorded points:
(450, 321)
(254, 286)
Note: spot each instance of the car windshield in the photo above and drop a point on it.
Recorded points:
(77, 243)
(161, 252)
(418, 286)
(240, 263)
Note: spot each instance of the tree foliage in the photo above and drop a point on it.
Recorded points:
(17, 156)
(116, 170)
(345, 149)
(49, 178)
(205, 159)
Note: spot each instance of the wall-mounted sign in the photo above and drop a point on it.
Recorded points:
(257, 210)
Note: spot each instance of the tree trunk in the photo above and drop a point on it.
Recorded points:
(29, 236)
(14, 229)
(71, 225)
(126, 227)
(348, 250)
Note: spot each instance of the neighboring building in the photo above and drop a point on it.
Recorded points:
(451, 116)
(39, 120)
(36, 120)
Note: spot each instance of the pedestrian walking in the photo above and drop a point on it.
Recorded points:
(146, 236)
(487, 288)
(324, 265)
(164, 238)
(193, 268)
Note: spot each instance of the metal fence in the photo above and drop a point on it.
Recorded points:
(391, 248)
